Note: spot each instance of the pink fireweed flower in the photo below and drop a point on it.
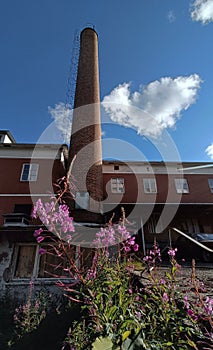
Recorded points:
(42, 251)
(192, 314)
(135, 247)
(131, 241)
(172, 252)
(40, 239)
(105, 237)
(162, 281)
(123, 233)
(54, 216)
(153, 256)
(208, 306)
(37, 207)
(127, 249)
(165, 297)
(38, 232)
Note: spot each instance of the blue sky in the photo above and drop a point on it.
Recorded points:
(155, 56)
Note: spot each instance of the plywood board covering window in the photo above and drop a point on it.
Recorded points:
(29, 263)
(25, 261)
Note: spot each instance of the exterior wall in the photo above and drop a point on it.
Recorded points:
(199, 191)
(13, 192)
(10, 178)
(5, 258)
(8, 202)
(197, 176)
(190, 212)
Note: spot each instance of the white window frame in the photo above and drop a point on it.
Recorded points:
(150, 185)
(210, 182)
(117, 185)
(32, 173)
(181, 185)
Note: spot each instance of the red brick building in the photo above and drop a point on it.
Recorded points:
(154, 195)
(159, 196)
(28, 172)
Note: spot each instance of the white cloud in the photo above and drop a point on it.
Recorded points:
(202, 10)
(209, 151)
(62, 115)
(171, 16)
(154, 107)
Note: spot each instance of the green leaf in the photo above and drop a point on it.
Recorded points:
(125, 335)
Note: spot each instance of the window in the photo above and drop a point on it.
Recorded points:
(150, 185)
(52, 266)
(117, 185)
(82, 200)
(29, 172)
(23, 208)
(210, 181)
(29, 263)
(116, 167)
(181, 186)
(25, 261)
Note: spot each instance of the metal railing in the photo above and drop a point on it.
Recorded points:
(191, 239)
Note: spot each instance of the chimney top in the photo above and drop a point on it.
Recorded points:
(89, 29)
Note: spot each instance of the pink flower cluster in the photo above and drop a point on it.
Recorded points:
(190, 312)
(172, 252)
(153, 256)
(208, 305)
(110, 236)
(127, 239)
(54, 217)
(105, 237)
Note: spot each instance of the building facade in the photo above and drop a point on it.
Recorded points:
(28, 172)
(155, 195)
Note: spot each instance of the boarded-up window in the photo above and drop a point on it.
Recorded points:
(25, 261)
(29, 263)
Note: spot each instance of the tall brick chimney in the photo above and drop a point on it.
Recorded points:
(85, 142)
